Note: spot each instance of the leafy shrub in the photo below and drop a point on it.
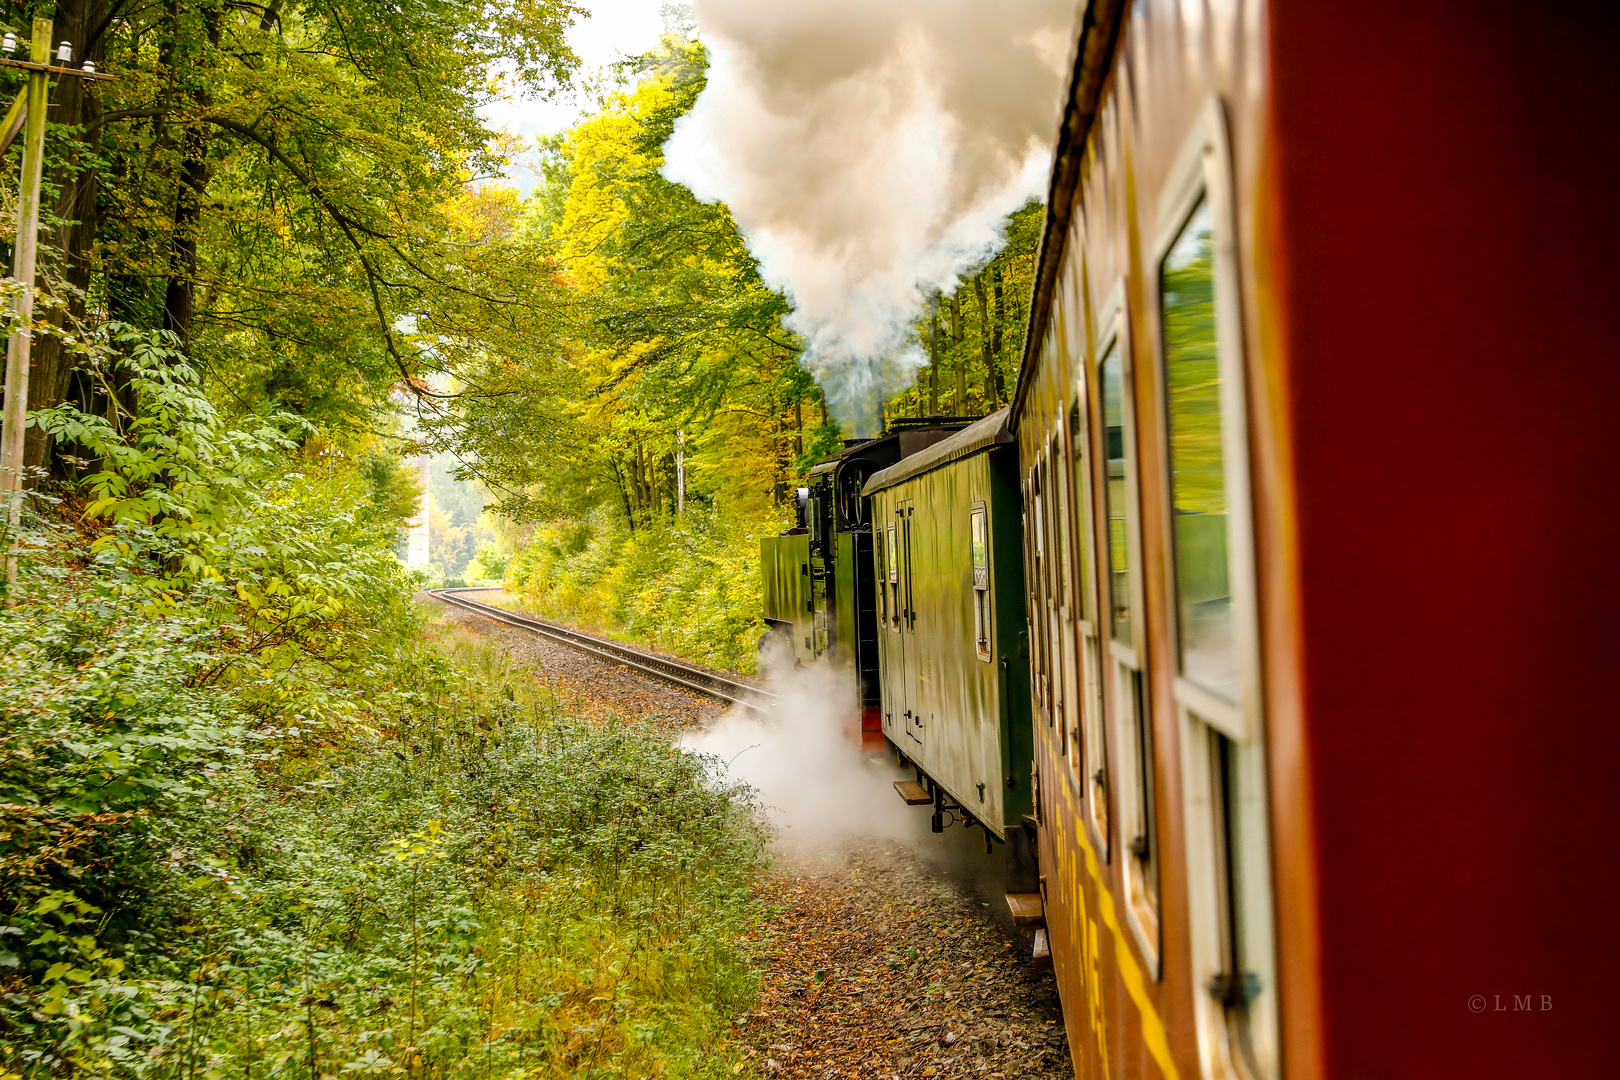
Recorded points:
(491, 561)
(254, 824)
(476, 885)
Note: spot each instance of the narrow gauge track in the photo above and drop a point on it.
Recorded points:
(661, 668)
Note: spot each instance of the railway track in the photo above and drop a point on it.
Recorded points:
(695, 679)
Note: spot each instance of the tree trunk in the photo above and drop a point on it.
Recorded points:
(778, 453)
(624, 494)
(933, 362)
(798, 426)
(179, 297)
(68, 269)
(959, 406)
(655, 484)
(995, 335)
(638, 480)
(990, 402)
(179, 300)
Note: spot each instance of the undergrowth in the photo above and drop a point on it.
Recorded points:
(471, 882)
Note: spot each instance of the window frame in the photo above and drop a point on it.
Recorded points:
(1203, 171)
(1091, 658)
(1054, 612)
(1128, 692)
(892, 582)
(879, 560)
(1115, 334)
(1040, 646)
(909, 613)
(983, 613)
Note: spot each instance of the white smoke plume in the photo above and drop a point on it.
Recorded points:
(803, 763)
(869, 150)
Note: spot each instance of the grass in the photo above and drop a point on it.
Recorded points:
(476, 884)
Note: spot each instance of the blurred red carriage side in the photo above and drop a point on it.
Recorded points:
(1409, 227)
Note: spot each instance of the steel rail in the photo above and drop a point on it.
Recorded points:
(662, 668)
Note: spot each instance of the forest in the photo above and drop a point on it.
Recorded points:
(264, 814)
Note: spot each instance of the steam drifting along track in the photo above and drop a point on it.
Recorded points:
(661, 668)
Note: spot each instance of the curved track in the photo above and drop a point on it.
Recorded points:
(661, 668)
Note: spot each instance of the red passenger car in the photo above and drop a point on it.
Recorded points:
(1319, 423)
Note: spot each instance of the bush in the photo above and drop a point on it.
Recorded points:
(490, 562)
(477, 884)
(689, 584)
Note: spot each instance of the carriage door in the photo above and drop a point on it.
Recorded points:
(914, 674)
(892, 606)
(823, 537)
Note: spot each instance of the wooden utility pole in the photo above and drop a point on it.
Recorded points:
(32, 104)
(27, 114)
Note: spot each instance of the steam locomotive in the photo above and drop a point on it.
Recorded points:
(1277, 608)
(819, 592)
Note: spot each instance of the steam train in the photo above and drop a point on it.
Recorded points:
(1277, 608)
(820, 597)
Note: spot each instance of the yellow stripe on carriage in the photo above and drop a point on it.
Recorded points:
(1153, 1033)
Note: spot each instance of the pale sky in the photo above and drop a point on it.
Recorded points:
(617, 29)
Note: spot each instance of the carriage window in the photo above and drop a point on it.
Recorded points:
(882, 577)
(1060, 526)
(1051, 557)
(981, 550)
(1039, 532)
(1144, 845)
(1090, 757)
(1197, 474)
(850, 504)
(1242, 983)
(1119, 562)
(894, 580)
(1078, 477)
(1056, 605)
(979, 541)
(1034, 527)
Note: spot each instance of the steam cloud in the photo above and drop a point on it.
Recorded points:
(869, 150)
(814, 787)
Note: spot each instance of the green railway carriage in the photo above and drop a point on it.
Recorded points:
(819, 593)
(952, 634)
